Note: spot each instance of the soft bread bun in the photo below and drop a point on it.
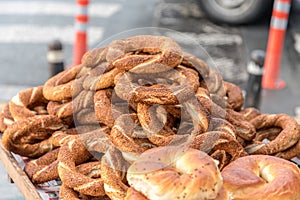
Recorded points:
(261, 177)
(223, 194)
(170, 172)
(132, 194)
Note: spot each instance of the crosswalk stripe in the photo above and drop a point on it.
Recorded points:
(190, 38)
(55, 8)
(20, 33)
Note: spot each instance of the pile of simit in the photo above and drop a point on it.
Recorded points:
(141, 119)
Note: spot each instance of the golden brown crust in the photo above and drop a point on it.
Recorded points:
(290, 129)
(244, 128)
(44, 168)
(234, 96)
(5, 118)
(70, 176)
(132, 194)
(181, 173)
(113, 173)
(165, 52)
(204, 99)
(122, 134)
(86, 116)
(250, 113)
(214, 83)
(83, 148)
(221, 156)
(61, 86)
(101, 77)
(3, 125)
(291, 152)
(31, 137)
(221, 136)
(171, 87)
(66, 193)
(157, 131)
(22, 105)
(104, 108)
(94, 57)
(262, 177)
(193, 62)
(61, 109)
(223, 194)
(90, 169)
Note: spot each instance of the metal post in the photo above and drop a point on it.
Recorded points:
(255, 71)
(55, 57)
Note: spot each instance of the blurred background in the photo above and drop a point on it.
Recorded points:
(228, 33)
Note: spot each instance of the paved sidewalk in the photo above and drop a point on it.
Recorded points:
(8, 91)
(8, 191)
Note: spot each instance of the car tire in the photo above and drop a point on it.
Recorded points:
(236, 11)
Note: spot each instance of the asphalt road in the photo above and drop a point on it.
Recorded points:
(27, 27)
(26, 34)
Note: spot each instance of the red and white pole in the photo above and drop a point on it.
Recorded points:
(81, 21)
(279, 21)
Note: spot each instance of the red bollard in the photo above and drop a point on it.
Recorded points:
(81, 20)
(277, 31)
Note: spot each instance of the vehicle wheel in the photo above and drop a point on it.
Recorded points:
(236, 11)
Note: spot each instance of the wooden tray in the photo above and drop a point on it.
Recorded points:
(18, 176)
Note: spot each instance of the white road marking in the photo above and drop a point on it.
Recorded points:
(190, 38)
(56, 8)
(20, 33)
